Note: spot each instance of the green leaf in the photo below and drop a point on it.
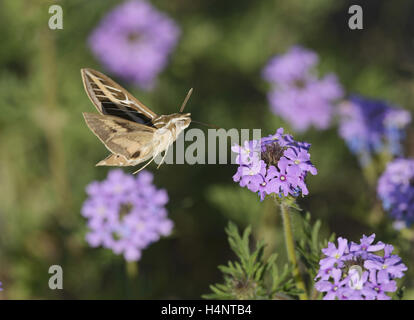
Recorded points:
(311, 244)
(252, 277)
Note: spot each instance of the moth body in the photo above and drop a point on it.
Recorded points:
(166, 135)
(128, 129)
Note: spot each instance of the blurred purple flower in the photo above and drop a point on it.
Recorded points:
(364, 271)
(134, 41)
(1, 286)
(396, 190)
(297, 95)
(276, 164)
(126, 214)
(372, 126)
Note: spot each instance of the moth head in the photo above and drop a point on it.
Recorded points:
(182, 120)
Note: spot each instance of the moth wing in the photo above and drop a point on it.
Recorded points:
(110, 98)
(131, 140)
(114, 160)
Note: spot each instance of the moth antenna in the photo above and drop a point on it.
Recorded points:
(206, 124)
(186, 100)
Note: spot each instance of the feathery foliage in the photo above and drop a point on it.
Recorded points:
(252, 277)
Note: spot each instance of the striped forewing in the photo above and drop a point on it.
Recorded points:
(110, 98)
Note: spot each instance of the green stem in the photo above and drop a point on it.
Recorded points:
(290, 248)
(132, 270)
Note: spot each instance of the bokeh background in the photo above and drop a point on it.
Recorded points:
(48, 155)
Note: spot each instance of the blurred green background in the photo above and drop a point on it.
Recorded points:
(48, 155)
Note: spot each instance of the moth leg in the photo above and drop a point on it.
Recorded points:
(144, 165)
(163, 158)
(165, 154)
(153, 157)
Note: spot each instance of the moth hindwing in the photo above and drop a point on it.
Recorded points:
(129, 130)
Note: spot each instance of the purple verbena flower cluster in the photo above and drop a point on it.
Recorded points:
(134, 41)
(396, 190)
(297, 94)
(364, 271)
(276, 164)
(372, 126)
(125, 213)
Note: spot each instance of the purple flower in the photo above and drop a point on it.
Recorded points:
(1, 286)
(248, 153)
(297, 95)
(364, 271)
(134, 41)
(300, 158)
(276, 164)
(366, 246)
(334, 255)
(372, 126)
(285, 179)
(333, 289)
(126, 214)
(389, 266)
(396, 190)
(260, 182)
(380, 286)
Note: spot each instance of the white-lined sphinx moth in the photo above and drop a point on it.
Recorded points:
(128, 129)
